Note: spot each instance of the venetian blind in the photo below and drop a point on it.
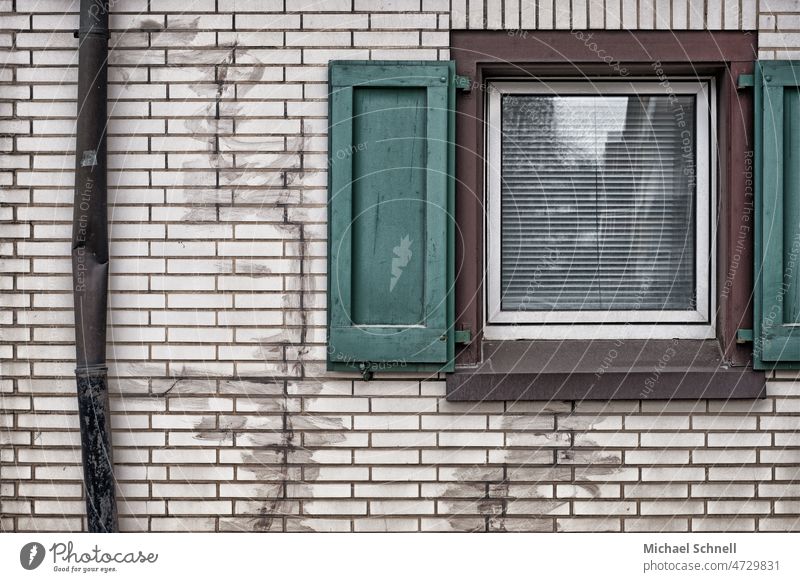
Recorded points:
(598, 202)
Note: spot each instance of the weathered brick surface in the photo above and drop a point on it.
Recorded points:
(224, 419)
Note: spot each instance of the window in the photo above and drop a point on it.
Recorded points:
(595, 259)
(567, 209)
(599, 209)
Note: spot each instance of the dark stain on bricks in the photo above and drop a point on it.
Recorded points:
(152, 24)
(221, 79)
(280, 466)
(494, 508)
(252, 269)
(298, 362)
(270, 509)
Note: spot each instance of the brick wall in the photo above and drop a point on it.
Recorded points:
(225, 418)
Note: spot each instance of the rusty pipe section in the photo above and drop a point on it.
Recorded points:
(90, 267)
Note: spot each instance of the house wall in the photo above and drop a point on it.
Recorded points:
(225, 418)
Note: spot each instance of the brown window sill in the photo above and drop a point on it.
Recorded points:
(603, 370)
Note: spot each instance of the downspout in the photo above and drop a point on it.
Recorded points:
(90, 267)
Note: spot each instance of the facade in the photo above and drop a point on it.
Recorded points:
(226, 414)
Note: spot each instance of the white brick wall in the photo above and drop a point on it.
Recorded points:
(217, 155)
(612, 14)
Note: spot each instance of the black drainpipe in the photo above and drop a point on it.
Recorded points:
(90, 267)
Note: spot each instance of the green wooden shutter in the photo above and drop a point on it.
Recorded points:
(777, 203)
(391, 231)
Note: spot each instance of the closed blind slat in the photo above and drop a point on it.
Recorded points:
(597, 203)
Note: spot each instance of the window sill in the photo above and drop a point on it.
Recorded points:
(603, 370)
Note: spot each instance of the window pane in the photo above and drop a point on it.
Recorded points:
(598, 202)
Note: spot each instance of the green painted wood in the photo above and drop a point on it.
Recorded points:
(772, 221)
(391, 231)
(791, 196)
(389, 74)
(780, 73)
(340, 205)
(463, 336)
(437, 210)
(777, 167)
(389, 210)
(758, 254)
(399, 347)
(451, 223)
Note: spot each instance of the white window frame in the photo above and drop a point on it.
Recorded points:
(591, 324)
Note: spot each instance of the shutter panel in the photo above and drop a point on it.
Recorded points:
(390, 235)
(777, 200)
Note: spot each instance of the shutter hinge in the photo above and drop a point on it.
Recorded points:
(744, 336)
(463, 83)
(366, 371)
(745, 81)
(463, 336)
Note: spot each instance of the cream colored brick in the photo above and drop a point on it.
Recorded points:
(740, 423)
(672, 474)
(656, 491)
(580, 14)
(545, 15)
(651, 524)
(458, 14)
(494, 14)
(696, 14)
(335, 508)
(527, 18)
(724, 524)
(511, 17)
(714, 9)
(732, 15)
(597, 13)
(723, 456)
(475, 15)
(650, 423)
(672, 508)
(578, 524)
(403, 21)
(778, 6)
(383, 524)
(647, 14)
(652, 458)
(613, 14)
(714, 490)
(778, 490)
(784, 524)
(740, 473)
(605, 507)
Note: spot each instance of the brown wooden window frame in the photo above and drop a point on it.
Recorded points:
(608, 369)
